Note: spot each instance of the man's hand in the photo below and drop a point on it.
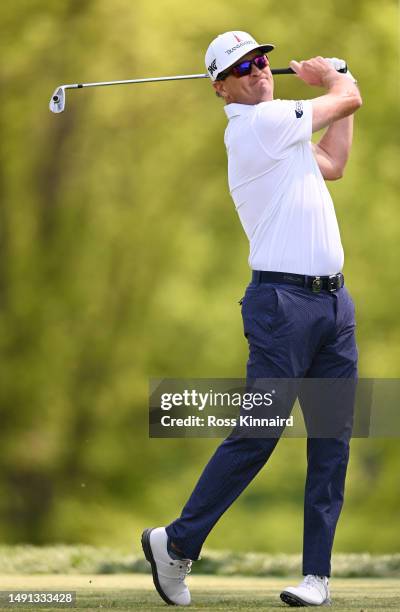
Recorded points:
(316, 71)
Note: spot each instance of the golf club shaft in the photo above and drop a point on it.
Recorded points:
(156, 79)
(57, 101)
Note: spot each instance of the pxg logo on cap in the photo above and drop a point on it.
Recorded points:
(228, 48)
(212, 67)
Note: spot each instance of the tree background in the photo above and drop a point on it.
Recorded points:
(115, 226)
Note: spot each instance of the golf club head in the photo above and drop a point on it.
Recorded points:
(57, 100)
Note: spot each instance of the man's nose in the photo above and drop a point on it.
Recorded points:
(255, 70)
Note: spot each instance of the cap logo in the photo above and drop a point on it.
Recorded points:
(237, 38)
(212, 67)
(242, 43)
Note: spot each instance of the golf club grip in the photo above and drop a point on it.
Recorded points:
(282, 71)
(291, 71)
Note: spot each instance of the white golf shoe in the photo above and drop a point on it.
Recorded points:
(313, 591)
(168, 574)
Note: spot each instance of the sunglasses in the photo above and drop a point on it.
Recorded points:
(244, 68)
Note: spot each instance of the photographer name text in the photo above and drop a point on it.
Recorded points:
(213, 421)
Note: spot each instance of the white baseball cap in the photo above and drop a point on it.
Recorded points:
(227, 49)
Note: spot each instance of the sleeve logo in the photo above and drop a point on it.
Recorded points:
(212, 67)
(299, 109)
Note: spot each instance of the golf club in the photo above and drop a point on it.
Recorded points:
(57, 100)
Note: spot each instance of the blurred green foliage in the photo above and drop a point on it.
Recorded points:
(121, 258)
(75, 559)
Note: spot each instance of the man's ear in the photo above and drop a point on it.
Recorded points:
(219, 88)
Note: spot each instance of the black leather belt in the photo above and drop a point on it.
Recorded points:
(315, 283)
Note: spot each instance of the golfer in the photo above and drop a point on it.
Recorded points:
(297, 313)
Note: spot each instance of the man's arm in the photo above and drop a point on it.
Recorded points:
(334, 109)
(333, 150)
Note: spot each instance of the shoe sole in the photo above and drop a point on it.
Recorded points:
(292, 600)
(297, 602)
(148, 553)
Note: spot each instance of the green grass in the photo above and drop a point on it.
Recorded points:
(136, 592)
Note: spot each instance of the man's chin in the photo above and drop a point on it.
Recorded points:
(264, 91)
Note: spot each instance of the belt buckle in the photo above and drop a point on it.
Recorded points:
(316, 285)
(333, 283)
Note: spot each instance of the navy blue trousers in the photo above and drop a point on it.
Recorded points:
(292, 333)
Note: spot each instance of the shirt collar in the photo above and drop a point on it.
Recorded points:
(234, 109)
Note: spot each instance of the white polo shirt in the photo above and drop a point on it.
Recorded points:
(283, 203)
